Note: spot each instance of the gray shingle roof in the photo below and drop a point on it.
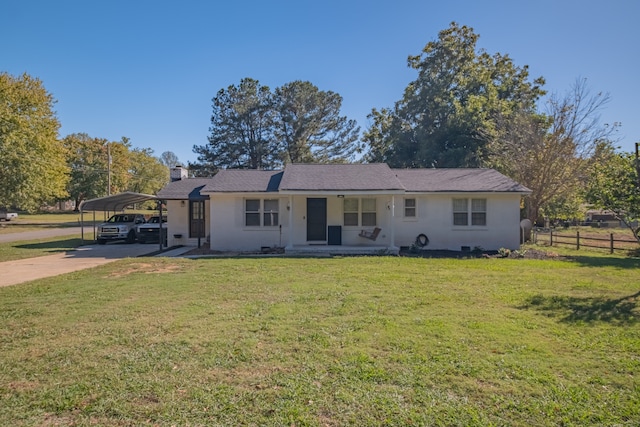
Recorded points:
(339, 177)
(184, 189)
(457, 180)
(342, 177)
(244, 181)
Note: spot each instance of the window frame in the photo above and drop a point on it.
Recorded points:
(474, 213)
(351, 212)
(271, 213)
(414, 208)
(368, 212)
(479, 213)
(361, 215)
(261, 213)
(460, 215)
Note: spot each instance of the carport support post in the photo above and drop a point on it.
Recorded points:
(161, 227)
(81, 228)
(160, 239)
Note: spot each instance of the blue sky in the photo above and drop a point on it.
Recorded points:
(148, 70)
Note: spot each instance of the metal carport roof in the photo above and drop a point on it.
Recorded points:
(116, 202)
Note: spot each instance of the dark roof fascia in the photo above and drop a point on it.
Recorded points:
(467, 192)
(298, 192)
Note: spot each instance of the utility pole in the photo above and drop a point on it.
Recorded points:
(108, 169)
(638, 162)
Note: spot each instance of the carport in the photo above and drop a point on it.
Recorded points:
(115, 203)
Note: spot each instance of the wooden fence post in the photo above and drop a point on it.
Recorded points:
(611, 242)
(577, 240)
(550, 237)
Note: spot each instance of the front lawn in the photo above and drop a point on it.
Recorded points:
(325, 342)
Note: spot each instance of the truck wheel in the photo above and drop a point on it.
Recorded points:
(131, 237)
(102, 241)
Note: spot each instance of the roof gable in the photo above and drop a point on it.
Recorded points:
(189, 188)
(457, 180)
(339, 177)
(244, 181)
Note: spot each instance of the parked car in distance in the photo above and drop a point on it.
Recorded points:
(7, 216)
(150, 230)
(120, 227)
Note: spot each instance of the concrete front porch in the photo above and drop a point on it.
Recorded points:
(319, 250)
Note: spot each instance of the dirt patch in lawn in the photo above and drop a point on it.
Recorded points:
(147, 268)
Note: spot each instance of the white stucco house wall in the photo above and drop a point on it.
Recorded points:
(339, 207)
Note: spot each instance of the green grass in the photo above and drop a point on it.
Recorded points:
(55, 218)
(34, 248)
(325, 342)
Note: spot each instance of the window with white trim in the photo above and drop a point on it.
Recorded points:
(479, 212)
(351, 211)
(476, 216)
(261, 212)
(360, 212)
(368, 212)
(252, 212)
(410, 208)
(460, 214)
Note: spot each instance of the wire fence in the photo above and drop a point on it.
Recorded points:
(607, 242)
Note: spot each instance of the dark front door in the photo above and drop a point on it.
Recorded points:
(196, 219)
(317, 219)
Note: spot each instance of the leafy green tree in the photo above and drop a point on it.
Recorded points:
(33, 170)
(309, 124)
(147, 173)
(241, 129)
(96, 162)
(87, 158)
(614, 185)
(445, 118)
(119, 167)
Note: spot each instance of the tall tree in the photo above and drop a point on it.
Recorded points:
(309, 124)
(120, 164)
(445, 118)
(147, 173)
(241, 129)
(551, 153)
(33, 170)
(87, 158)
(614, 185)
(169, 159)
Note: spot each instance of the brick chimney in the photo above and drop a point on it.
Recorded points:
(179, 173)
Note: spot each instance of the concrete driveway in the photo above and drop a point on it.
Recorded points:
(44, 233)
(25, 270)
